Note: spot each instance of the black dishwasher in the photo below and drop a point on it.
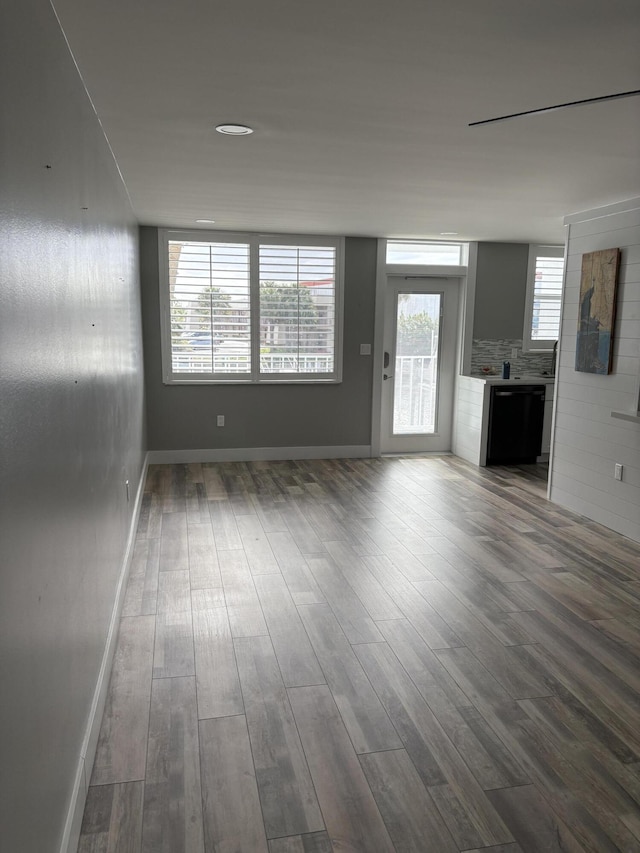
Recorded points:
(516, 414)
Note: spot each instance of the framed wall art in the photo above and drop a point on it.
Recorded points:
(597, 311)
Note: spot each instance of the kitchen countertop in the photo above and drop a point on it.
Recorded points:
(514, 380)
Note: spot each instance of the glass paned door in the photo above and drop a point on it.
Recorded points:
(419, 365)
(416, 363)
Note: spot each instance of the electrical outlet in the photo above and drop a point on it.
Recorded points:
(220, 420)
(617, 473)
(365, 349)
(514, 352)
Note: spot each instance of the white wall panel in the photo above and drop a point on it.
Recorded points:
(468, 419)
(599, 469)
(588, 433)
(608, 239)
(587, 440)
(570, 493)
(592, 227)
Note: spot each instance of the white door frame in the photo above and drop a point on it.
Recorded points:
(438, 441)
(383, 271)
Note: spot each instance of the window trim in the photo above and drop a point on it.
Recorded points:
(254, 240)
(537, 250)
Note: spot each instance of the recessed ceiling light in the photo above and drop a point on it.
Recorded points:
(206, 221)
(234, 129)
(448, 233)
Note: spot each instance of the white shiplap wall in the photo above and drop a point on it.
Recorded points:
(587, 441)
(469, 422)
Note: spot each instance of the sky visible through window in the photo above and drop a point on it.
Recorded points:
(424, 253)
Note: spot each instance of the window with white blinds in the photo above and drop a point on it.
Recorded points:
(209, 308)
(240, 308)
(297, 309)
(544, 297)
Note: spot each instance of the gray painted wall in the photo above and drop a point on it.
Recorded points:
(183, 417)
(501, 283)
(71, 418)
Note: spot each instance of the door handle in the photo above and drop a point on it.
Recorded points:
(386, 376)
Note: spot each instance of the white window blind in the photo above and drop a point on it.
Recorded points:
(297, 309)
(240, 308)
(547, 298)
(544, 296)
(210, 307)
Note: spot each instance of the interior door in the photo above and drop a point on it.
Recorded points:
(419, 364)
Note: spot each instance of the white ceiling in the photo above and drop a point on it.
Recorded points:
(360, 110)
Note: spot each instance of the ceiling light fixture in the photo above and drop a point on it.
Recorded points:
(448, 233)
(234, 129)
(206, 221)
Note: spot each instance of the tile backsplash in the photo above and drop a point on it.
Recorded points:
(491, 353)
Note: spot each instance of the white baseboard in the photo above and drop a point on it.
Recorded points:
(416, 454)
(73, 823)
(258, 454)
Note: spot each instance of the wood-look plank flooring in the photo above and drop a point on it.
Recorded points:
(363, 656)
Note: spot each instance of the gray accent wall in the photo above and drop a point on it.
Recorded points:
(71, 417)
(183, 417)
(500, 291)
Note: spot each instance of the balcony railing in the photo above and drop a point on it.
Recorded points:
(207, 362)
(415, 394)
